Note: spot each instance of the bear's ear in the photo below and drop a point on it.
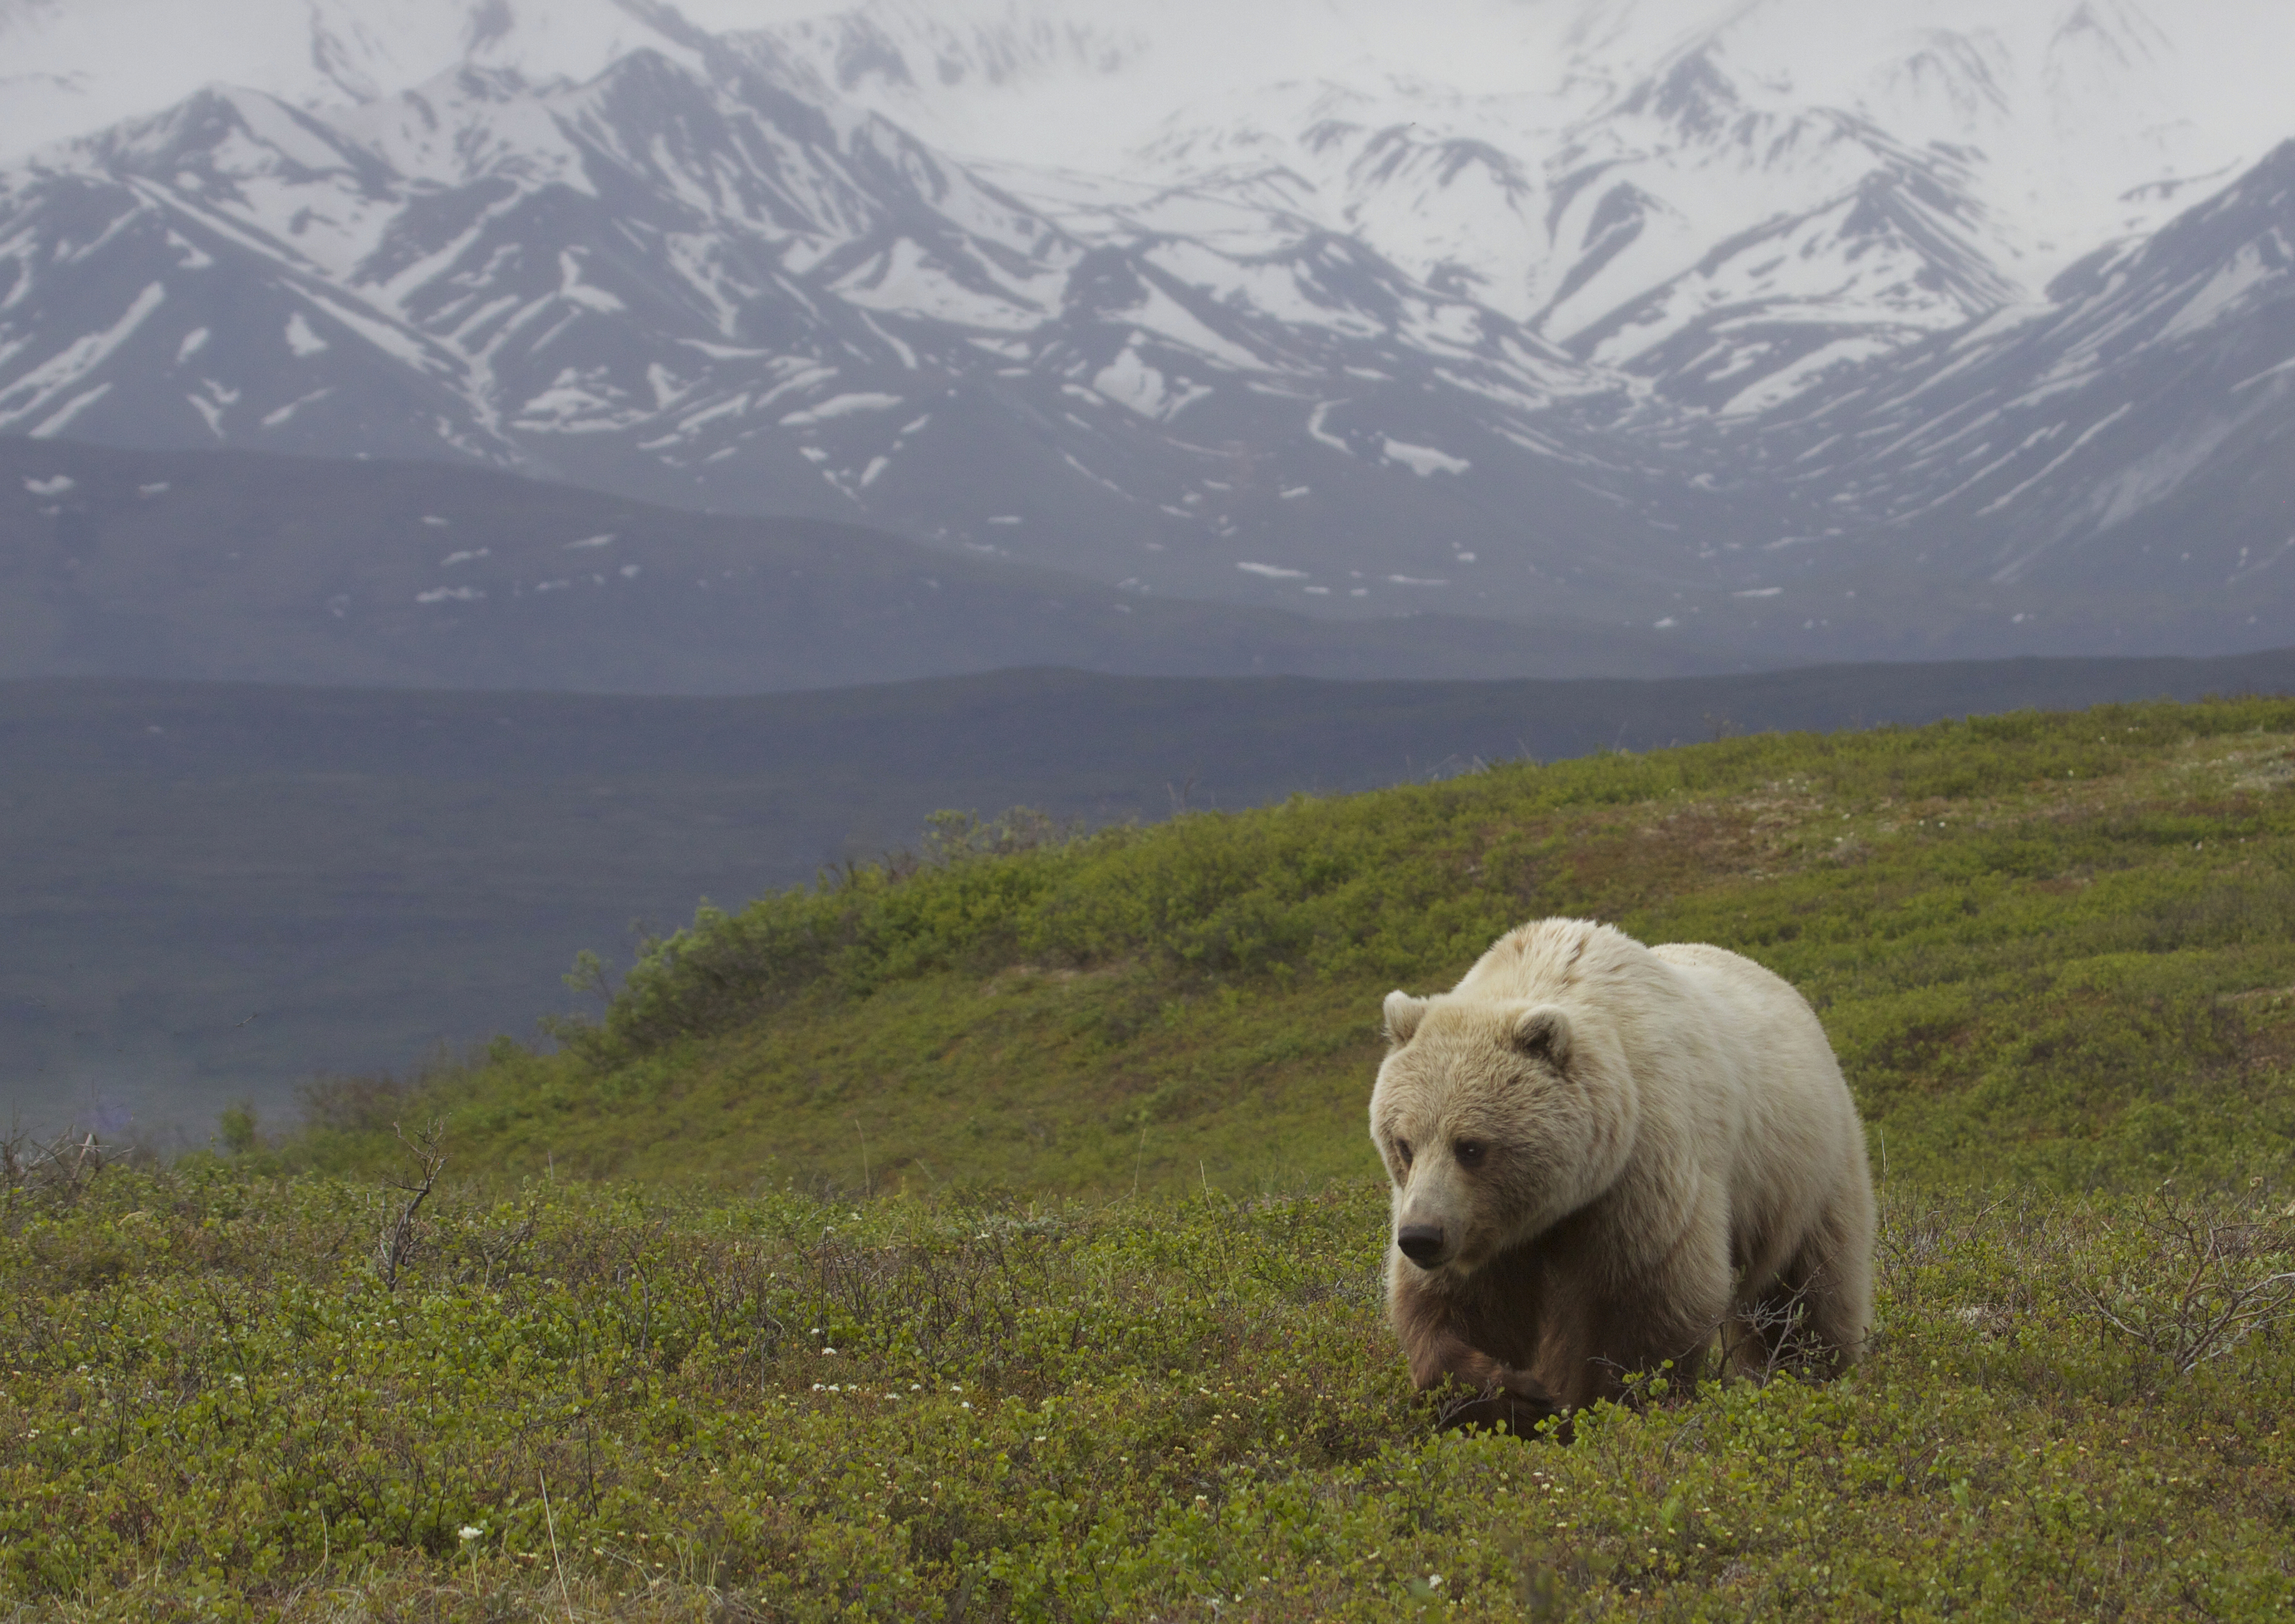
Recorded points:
(1543, 1030)
(1403, 1013)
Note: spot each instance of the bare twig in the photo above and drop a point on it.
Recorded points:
(59, 1170)
(2224, 1281)
(395, 1243)
(550, 1517)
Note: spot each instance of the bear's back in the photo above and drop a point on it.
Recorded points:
(1552, 959)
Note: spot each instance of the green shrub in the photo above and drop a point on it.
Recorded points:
(778, 1407)
(1008, 1242)
(2044, 947)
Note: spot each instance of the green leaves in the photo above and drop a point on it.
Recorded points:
(1184, 1409)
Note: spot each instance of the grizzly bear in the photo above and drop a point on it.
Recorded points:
(1603, 1153)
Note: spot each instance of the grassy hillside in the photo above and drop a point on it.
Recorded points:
(559, 1402)
(2057, 947)
(975, 1375)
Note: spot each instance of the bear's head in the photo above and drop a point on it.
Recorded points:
(1495, 1121)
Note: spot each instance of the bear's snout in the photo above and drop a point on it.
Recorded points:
(1422, 1244)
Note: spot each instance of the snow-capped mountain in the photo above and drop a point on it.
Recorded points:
(1624, 310)
(2138, 430)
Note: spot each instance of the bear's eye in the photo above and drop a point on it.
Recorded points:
(1467, 1151)
(1403, 1149)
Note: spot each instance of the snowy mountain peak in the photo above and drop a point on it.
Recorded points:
(1482, 303)
(902, 46)
(69, 72)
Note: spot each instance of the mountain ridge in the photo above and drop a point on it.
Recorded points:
(1633, 350)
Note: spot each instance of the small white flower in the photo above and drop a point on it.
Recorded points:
(828, 1350)
(469, 1533)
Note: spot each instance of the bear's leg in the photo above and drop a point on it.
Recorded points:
(1818, 1312)
(1606, 1346)
(1483, 1390)
(1839, 1271)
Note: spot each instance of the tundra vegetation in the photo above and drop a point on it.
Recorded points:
(993, 1233)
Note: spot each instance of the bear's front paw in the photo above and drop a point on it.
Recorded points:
(1506, 1401)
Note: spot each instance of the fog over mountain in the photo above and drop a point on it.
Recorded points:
(1800, 329)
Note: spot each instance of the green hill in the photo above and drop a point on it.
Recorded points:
(393, 869)
(2055, 947)
(868, 1323)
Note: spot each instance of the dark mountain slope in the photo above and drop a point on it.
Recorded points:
(246, 566)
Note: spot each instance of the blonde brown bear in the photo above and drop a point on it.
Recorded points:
(1602, 1155)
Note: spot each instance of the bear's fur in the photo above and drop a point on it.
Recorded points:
(1602, 1155)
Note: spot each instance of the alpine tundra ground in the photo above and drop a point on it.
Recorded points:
(993, 1234)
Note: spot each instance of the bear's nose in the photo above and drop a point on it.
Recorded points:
(1422, 1244)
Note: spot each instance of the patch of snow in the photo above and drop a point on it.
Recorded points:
(55, 487)
(572, 288)
(452, 558)
(194, 341)
(1316, 431)
(1787, 381)
(1759, 592)
(2224, 291)
(39, 389)
(606, 539)
(841, 405)
(1424, 459)
(451, 594)
(2058, 461)
(48, 427)
(300, 338)
(688, 426)
(904, 280)
(272, 420)
(2270, 372)
(1130, 382)
(1273, 572)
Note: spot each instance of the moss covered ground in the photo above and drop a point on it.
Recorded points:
(993, 1234)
